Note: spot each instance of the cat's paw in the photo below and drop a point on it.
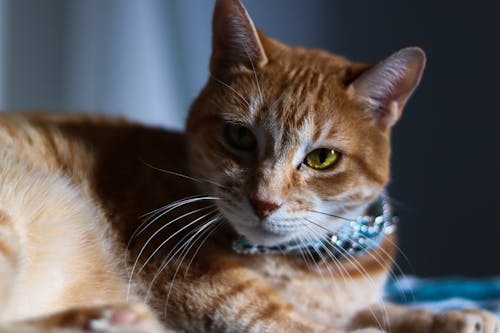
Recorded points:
(114, 318)
(121, 319)
(367, 330)
(466, 321)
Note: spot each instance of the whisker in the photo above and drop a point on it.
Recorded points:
(179, 247)
(403, 255)
(378, 259)
(158, 213)
(302, 253)
(232, 89)
(312, 258)
(384, 252)
(201, 180)
(318, 225)
(174, 234)
(254, 73)
(333, 215)
(149, 214)
(325, 262)
(344, 274)
(367, 239)
(214, 229)
(367, 277)
(394, 264)
(156, 233)
(192, 239)
(155, 214)
(171, 208)
(354, 262)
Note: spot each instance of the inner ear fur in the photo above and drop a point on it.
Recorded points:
(386, 87)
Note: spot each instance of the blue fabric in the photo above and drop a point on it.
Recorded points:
(446, 294)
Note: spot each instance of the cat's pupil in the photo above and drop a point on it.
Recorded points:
(322, 155)
(242, 131)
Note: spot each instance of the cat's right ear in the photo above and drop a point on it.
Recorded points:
(235, 41)
(386, 87)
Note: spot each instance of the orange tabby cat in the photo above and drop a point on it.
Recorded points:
(283, 145)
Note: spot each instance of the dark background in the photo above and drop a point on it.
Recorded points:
(147, 59)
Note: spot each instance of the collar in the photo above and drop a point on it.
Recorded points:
(357, 236)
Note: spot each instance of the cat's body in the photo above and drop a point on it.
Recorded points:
(60, 178)
(281, 141)
(80, 185)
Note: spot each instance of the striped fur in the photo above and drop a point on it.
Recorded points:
(76, 256)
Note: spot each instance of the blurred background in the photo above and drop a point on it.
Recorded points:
(148, 59)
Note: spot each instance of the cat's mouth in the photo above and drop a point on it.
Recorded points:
(357, 236)
(267, 233)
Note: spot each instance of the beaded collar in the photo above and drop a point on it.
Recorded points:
(355, 237)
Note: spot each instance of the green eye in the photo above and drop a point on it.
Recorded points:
(321, 158)
(240, 137)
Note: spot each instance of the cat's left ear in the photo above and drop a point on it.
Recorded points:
(387, 86)
(235, 41)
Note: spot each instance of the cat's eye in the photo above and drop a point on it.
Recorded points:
(240, 137)
(321, 158)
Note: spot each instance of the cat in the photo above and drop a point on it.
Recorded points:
(285, 156)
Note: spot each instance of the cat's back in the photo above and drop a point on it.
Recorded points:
(74, 141)
(109, 158)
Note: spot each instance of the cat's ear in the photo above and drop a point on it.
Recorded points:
(235, 41)
(387, 86)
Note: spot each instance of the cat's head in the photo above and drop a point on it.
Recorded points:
(293, 135)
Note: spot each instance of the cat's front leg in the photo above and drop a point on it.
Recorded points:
(398, 319)
(234, 307)
(235, 300)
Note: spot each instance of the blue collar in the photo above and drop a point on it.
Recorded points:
(356, 237)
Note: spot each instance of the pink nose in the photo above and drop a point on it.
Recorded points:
(262, 208)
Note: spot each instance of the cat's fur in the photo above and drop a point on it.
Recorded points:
(72, 189)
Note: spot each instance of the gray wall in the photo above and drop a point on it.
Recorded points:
(147, 59)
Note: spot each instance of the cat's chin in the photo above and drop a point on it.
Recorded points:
(259, 236)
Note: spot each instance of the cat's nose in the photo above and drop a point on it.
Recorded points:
(262, 207)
